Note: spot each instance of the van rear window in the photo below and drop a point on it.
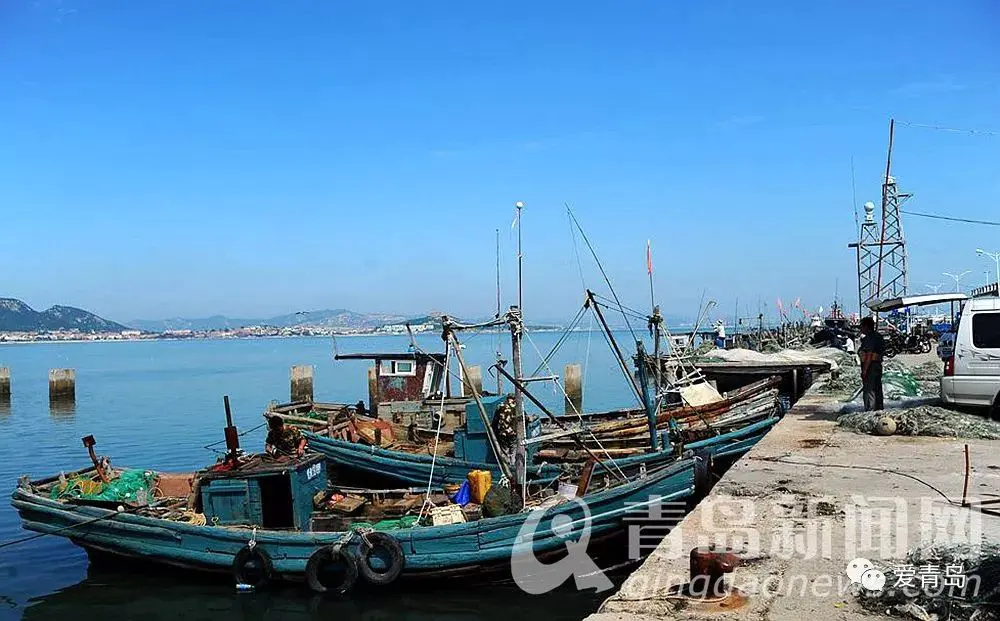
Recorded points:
(986, 330)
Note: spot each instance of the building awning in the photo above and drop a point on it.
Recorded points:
(881, 306)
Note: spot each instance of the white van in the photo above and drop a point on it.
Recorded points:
(972, 370)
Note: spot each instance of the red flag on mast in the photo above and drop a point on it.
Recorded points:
(649, 259)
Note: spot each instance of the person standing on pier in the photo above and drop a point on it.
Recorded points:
(720, 334)
(871, 352)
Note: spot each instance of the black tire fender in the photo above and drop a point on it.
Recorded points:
(331, 554)
(370, 543)
(243, 559)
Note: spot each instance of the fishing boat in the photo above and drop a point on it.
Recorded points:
(684, 410)
(726, 427)
(407, 391)
(264, 518)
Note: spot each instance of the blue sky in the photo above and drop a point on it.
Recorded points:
(259, 157)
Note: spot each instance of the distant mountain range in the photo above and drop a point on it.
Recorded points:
(16, 316)
(340, 318)
(336, 318)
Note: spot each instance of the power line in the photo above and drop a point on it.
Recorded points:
(951, 219)
(952, 130)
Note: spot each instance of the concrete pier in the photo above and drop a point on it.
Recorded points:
(62, 385)
(4, 383)
(573, 384)
(474, 379)
(301, 383)
(802, 504)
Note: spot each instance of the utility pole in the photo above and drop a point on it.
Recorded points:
(957, 278)
(996, 257)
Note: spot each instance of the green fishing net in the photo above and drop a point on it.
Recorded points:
(407, 521)
(129, 486)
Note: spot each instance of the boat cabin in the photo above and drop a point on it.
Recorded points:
(272, 494)
(407, 389)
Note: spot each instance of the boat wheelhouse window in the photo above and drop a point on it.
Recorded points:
(986, 330)
(398, 367)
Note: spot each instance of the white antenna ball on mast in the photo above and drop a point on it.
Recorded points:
(869, 211)
(519, 204)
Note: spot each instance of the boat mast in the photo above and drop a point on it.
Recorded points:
(449, 327)
(520, 302)
(499, 357)
(654, 321)
(654, 440)
(516, 326)
(516, 319)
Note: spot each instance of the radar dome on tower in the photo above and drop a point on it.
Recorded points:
(869, 211)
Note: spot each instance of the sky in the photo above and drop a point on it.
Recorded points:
(253, 158)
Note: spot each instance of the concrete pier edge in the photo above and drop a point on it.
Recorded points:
(825, 472)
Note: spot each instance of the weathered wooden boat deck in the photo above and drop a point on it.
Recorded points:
(807, 460)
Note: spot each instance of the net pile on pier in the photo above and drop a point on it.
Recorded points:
(926, 420)
(899, 381)
(822, 355)
(978, 599)
(929, 375)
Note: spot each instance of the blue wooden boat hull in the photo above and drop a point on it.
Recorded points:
(408, 468)
(450, 549)
(411, 469)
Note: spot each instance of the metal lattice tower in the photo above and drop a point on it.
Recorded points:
(892, 276)
(881, 249)
(868, 250)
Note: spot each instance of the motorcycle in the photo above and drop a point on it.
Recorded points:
(898, 343)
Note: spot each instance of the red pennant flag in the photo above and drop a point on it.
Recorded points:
(649, 258)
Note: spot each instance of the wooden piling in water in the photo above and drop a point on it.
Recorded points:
(373, 391)
(62, 385)
(573, 384)
(301, 380)
(4, 383)
(474, 380)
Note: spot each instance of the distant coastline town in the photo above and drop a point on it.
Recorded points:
(245, 332)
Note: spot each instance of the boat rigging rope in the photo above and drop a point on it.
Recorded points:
(565, 335)
(437, 438)
(214, 444)
(624, 370)
(607, 304)
(60, 530)
(583, 283)
(586, 358)
(578, 414)
(601, 267)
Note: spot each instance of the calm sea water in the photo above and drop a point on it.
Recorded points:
(157, 404)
